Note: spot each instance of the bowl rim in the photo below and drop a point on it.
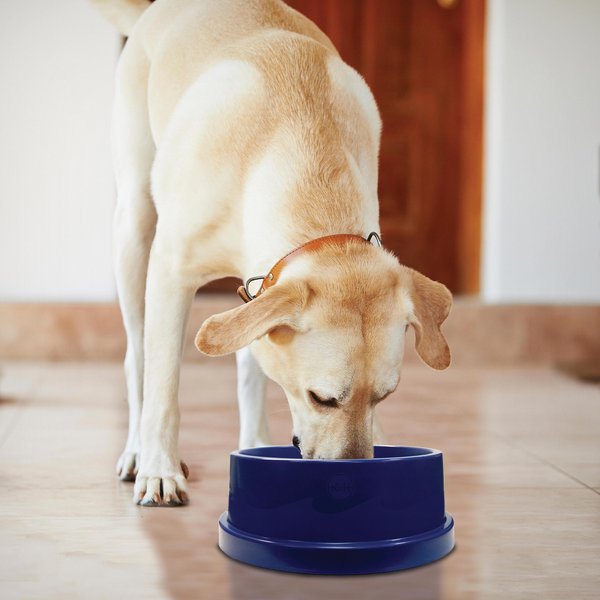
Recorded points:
(245, 454)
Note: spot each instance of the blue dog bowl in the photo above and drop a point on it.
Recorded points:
(337, 517)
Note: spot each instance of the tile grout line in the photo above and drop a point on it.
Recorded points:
(546, 462)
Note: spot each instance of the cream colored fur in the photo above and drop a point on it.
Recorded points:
(240, 134)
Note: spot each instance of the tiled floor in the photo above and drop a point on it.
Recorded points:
(522, 459)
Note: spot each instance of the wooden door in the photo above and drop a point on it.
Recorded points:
(423, 60)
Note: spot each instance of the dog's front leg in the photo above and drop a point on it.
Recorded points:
(160, 479)
(251, 386)
(379, 438)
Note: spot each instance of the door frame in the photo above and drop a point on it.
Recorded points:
(471, 144)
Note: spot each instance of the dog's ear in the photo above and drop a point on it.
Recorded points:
(430, 303)
(229, 331)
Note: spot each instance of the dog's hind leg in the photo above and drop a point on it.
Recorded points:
(251, 386)
(134, 226)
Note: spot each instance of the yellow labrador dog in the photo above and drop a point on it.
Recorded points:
(241, 136)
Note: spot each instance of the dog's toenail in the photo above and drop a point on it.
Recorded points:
(184, 468)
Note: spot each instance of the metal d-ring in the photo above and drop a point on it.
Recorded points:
(377, 237)
(249, 281)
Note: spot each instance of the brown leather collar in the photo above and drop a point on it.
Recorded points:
(272, 276)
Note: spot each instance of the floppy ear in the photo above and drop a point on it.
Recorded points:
(238, 327)
(431, 303)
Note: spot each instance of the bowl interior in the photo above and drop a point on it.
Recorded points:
(380, 453)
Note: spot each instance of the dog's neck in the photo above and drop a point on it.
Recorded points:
(303, 201)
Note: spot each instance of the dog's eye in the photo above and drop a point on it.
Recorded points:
(330, 402)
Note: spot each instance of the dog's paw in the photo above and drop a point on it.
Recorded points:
(127, 466)
(162, 489)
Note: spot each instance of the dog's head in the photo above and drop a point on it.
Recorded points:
(331, 333)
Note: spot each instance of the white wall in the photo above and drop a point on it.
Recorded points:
(57, 63)
(541, 203)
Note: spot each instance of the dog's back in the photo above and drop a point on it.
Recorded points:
(244, 107)
(231, 82)
(181, 38)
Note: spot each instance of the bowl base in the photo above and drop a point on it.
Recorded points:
(348, 558)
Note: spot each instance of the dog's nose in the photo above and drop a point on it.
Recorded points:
(296, 441)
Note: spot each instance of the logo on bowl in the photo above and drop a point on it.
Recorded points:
(340, 487)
